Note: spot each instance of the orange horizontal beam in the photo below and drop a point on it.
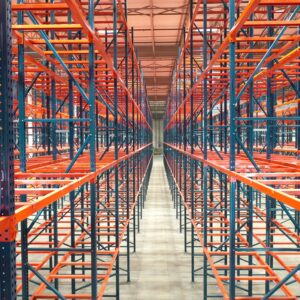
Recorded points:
(276, 194)
(39, 6)
(273, 23)
(33, 27)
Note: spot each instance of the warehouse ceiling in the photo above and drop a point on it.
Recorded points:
(157, 32)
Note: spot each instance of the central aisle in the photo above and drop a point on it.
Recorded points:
(160, 270)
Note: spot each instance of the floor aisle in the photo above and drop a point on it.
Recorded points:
(160, 269)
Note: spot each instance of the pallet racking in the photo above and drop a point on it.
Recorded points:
(75, 148)
(232, 147)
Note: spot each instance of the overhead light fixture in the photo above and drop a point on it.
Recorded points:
(208, 30)
(105, 31)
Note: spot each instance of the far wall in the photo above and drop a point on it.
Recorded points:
(158, 133)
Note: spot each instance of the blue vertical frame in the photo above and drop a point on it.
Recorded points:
(232, 150)
(7, 243)
(116, 143)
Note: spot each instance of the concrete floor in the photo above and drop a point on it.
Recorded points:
(160, 268)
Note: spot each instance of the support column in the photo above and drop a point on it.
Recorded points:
(127, 150)
(205, 137)
(116, 142)
(270, 144)
(232, 150)
(192, 162)
(250, 145)
(184, 144)
(93, 199)
(22, 149)
(7, 208)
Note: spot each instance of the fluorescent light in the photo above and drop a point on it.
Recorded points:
(208, 30)
(105, 31)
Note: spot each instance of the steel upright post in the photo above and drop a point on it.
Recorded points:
(192, 162)
(225, 103)
(250, 144)
(127, 150)
(93, 200)
(71, 155)
(53, 98)
(116, 142)
(21, 97)
(137, 156)
(297, 213)
(81, 124)
(205, 137)
(270, 97)
(184, 143)
(133, 141)
(7, 243)
(232, 103)
(270, 140)
(53, 107)
(71, 96)
(298, 110)
(107, 142)
(22, 150)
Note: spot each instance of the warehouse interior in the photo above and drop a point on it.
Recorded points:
(149, 149)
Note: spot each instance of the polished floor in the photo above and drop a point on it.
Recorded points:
(160, 270)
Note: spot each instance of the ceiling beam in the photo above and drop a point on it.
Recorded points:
(146, 51)
(159, 98)
(160, 80)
